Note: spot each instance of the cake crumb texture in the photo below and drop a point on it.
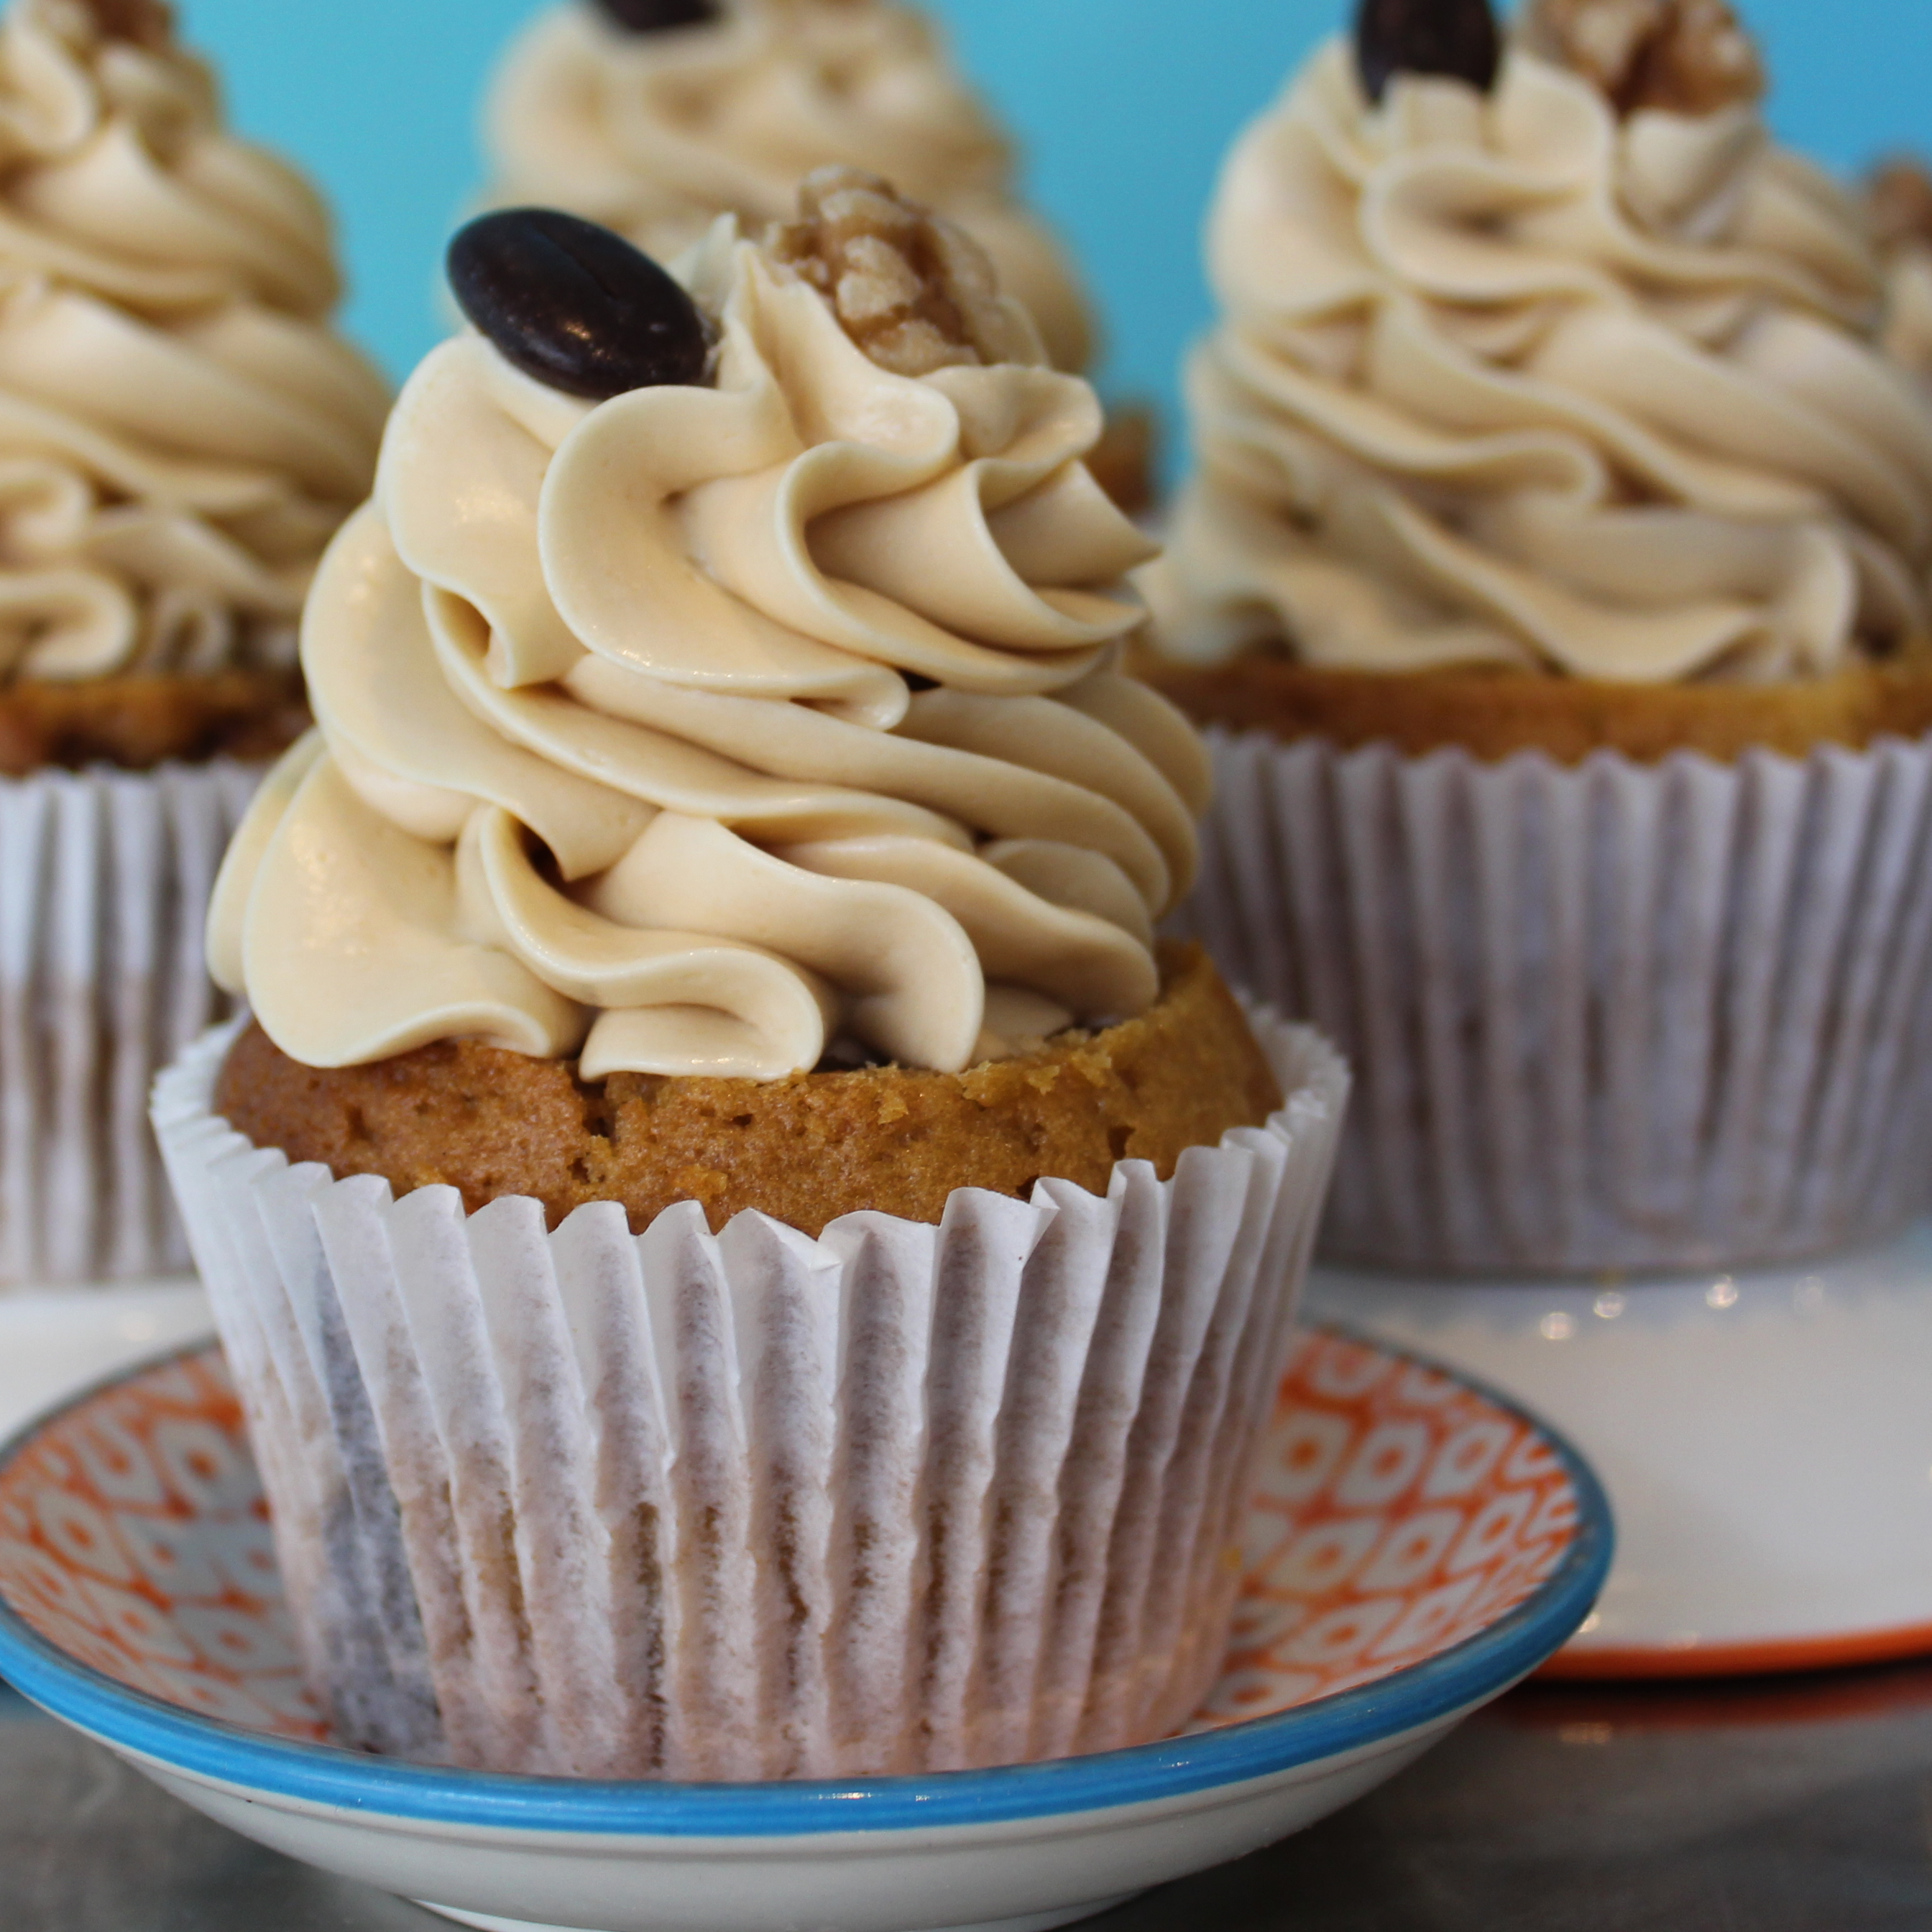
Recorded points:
(805, 1150)
(140, 720)
(1496, 714)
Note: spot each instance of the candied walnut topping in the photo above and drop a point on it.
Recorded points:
(1685, 56)
(147, 23)
(1899, 197)
(914, 292)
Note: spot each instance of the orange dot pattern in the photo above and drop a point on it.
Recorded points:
(1398, 1512)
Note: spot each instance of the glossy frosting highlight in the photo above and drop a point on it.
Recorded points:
(180, 433)
(617, 755)
(655, 134)
(1510, 380)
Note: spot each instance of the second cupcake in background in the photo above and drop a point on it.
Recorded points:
(743, 1259)
(181, 434)
(656, 116)
(1558, 559)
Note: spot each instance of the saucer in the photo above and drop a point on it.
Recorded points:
(1765, 1436)
(1413, 1548)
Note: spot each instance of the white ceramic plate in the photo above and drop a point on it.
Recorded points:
(1415, 1547)
(1765, 1436)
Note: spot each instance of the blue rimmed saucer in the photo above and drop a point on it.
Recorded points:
(1415, 1546)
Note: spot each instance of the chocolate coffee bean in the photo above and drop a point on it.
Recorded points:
(575, 305)
(1456, 37)
(658, 16)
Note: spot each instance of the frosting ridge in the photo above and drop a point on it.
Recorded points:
(180, 431)
(1509, 380)
(655, 135)
(704, 729)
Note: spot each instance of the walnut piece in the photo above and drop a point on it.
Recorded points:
(1899, 197)
(1685, 56)
(914, 292)
(146, 23)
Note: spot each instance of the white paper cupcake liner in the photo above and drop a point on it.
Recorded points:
(1610, 1017)
(750, 1506)
(104, 882)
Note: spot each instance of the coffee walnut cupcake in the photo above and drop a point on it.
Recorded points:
(743, 1259)
(180, 436)
(655, 117)
(1556, 571)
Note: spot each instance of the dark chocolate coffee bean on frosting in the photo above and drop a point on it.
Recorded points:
(1457, 38)
(575, 305)
(658, 16)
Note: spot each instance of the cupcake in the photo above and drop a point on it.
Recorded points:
(181, 434)
(656, 116)
(1555, 571)
(743, 1257)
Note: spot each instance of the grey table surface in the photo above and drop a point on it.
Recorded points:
(1802, 1806)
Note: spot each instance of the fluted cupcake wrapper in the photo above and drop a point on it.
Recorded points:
(754, 1505)
(104, 883)
(1611, 1016)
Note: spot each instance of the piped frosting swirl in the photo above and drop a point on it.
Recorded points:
(655, 135)
(1514, 380)
(180, 431)
(704, 729)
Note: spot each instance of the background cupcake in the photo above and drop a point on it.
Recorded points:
(1547, 443)
(656, 116)
(180, 434)
(733, 807)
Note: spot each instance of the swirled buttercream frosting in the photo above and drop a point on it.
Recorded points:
(711, 729)
(180, 433)
(656, 134)
(1515, 378)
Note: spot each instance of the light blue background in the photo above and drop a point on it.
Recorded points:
(1124, 107)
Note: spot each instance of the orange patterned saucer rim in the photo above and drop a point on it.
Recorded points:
(1399, 1513)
